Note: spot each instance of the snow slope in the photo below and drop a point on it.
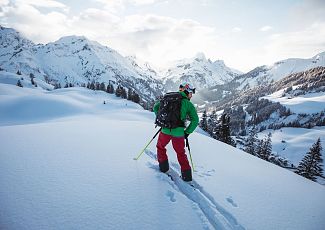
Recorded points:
(66, 162)
(309, 103)
(294, 143)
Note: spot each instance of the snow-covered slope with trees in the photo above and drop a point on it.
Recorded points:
(66, 162)
(294, 143)
(74, 60)
(292, 109)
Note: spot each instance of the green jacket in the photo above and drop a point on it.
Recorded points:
(187, 110)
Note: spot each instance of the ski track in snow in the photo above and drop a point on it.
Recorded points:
(218, 216)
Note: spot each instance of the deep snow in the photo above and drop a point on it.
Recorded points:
(309, 103)
(294, 143)
(66, 162)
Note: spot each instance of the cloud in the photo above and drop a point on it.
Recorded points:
(113, 6)
(37, 26)
(43, 3)
(306, 13)
(265, 28)
(143, 2)
(161, 39)
(236, 29)
(302, 43)
(4, 2)
(151, 37)
(118, 5)
(38, 4)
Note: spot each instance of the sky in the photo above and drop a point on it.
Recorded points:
(245, 34)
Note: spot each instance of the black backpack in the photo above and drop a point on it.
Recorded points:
(169, 113)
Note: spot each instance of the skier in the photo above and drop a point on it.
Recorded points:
(178, 133)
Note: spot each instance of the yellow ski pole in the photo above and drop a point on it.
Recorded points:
(136, 158)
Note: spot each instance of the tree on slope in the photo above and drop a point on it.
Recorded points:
(118, 91)
(212, 125)
(223, 133)
(110, 88)
(204, 122)
(251, 142)
(19, 83)
(264, 150)
(311, 165)
(136, 98)
(123, 93)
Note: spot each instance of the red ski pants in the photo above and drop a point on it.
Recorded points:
(179, 147)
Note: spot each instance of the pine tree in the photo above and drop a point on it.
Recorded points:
(259, 148)
(223, 133)
(130, 94)
(204, 122)
(97, 86)
(31, 76)
(118, 91)
(311, 165)
(19, 83)
(264, 149)
(92, 86)
(102, 86)
(123, 93)
(212, 125)
(251, 142)
(57, 86)
(47, 79)
(136, 98)
(112, 90)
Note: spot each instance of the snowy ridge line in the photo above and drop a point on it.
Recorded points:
(218, 217)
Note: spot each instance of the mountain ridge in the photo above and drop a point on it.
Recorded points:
(198, 71)
(74, 60)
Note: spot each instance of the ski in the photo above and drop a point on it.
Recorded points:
(190, 183)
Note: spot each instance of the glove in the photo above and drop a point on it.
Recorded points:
(186, 135)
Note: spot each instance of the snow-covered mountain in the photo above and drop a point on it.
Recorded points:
(66, 162)
(75, 60)
(17, 52)
(143, 68)
(260, 76)
(199, 71)
(267, 74)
